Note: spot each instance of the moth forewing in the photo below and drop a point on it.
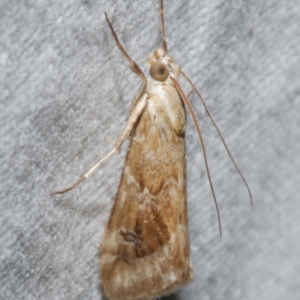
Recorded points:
(145, 250)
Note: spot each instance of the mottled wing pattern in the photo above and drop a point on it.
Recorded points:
(146, 242)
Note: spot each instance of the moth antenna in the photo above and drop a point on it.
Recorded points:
(197, 126)
(87, 174)
(220, 135)
(164, 43)
(133, 65)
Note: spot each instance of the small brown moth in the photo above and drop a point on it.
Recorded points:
(145, 252)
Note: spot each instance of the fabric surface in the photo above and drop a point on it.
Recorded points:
(65, 87)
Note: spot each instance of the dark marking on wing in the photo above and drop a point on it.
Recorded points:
(150, 233)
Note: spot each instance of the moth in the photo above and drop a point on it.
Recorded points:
(145, 251)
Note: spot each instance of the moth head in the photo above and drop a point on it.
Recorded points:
(162, 66)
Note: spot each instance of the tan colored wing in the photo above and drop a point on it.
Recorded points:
(145, 250)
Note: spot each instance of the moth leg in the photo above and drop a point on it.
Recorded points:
(133, 65)
(86, 175)
(135, 114)
(136, 111)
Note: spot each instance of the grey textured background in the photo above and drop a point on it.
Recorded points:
(65, 87)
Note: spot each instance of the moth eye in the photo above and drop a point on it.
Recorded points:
(159, 71)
